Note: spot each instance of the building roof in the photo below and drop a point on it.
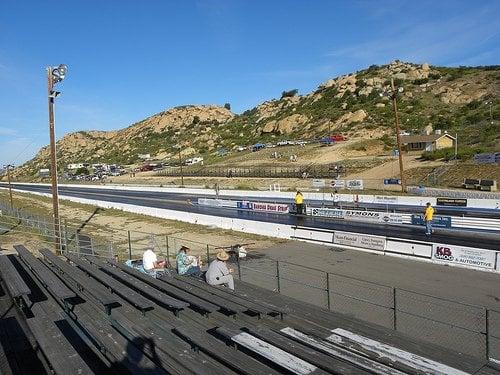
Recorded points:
(424, 138)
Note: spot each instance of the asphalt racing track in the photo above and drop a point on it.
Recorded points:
(182, 202)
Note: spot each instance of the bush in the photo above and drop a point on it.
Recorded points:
(289, 94)
(420, 81)
(82, 170)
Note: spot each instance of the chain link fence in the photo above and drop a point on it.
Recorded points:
(469, 329)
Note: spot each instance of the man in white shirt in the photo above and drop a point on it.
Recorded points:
(218, 273)
(150, 261)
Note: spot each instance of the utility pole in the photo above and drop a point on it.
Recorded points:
(10, 186)
(398, 136)
(54, 75)
(456, 146)
(180, 163)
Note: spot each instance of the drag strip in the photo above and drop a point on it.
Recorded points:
(180, 202)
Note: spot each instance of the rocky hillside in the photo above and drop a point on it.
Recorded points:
(463, 100)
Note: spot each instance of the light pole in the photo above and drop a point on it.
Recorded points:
(54, 75)
(180, 164)
(8, 167)
(393, 95)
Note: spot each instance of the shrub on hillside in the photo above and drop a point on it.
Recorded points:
(289, 94)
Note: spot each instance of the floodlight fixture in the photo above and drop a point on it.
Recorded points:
(59, 73)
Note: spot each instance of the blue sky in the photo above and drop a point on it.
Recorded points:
(129, 59)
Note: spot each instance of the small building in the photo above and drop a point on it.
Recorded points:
(429, 142)
(45, 172)
(74, 166)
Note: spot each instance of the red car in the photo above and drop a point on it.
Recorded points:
(337, 138)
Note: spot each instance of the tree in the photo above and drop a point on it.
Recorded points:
(196, 119)
(227, 106)
(290, 93)
(82, 170)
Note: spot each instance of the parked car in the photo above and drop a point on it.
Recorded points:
(258, 146)
(326, 141)
(337, 138)
(241, 148)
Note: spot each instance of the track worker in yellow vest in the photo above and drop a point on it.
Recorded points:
(299, 202)
(428, 215)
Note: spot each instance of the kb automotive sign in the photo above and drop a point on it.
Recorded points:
(466, 256)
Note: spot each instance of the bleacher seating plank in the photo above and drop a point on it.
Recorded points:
(48, 279)
(92, 287)
(223, 303)
(193, 301)
(243, 364)
(323, 361)
(132, 326)
(143, 288)
(272, 353)
(229, 295)
(395, 357)
(129, 295)
(339, 352)
(13, 281)
(46, 314)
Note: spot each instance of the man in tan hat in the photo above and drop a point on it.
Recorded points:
(218, 273)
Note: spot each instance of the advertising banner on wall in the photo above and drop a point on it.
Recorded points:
(359, 240)
(318, 183)
(390, 199)
(326, 212)
(354, 184)
(374, 217)
(457, 202)
(269, 207)
(437, 221)
(365, 216)
(466, 256)
(498, 262)
(337, 184)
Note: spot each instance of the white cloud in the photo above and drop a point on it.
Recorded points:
(7, 131)
(438, 42)
(18, 150)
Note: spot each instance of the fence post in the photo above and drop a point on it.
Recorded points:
(239, 266)
(278, 275)
(487, 334)
(129, 246)
(394, 308)
(168, 250)
(208, 254)
(78, 243)
(328, 289)
(66, 235)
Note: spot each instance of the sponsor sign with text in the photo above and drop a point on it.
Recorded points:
(374, 216)
(326, 212)
(269, 207)
(359, 240)
(338, 184)
(437, 221)
(354, 184)
(391, 199)
(466, 256)
(458, 202)
(317, 183)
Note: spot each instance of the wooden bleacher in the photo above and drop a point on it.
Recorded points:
(92, 315)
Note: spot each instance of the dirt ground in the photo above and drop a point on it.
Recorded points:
(110, 229)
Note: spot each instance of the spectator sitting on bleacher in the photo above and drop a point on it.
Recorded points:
(150, 261)
(187, 265)
(218, 273)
